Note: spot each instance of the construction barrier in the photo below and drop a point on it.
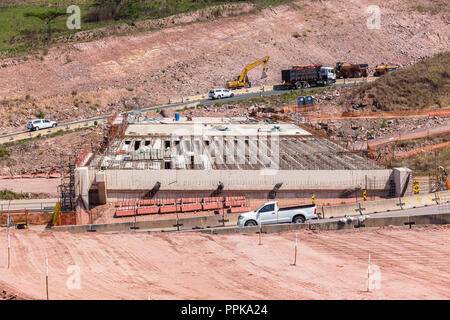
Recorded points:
(238, 209)
(172, 205)
(148, 210)
(386, 205)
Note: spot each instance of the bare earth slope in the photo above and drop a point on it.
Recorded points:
(192, 58)
(413, 264)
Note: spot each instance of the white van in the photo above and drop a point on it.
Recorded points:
(220, 93)
(39, 124)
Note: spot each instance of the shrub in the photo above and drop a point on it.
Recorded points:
(40, 114)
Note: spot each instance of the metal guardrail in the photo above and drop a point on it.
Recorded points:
(30, 206)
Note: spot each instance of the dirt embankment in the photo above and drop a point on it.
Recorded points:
(407, 264)
(86, 79)
(44, 155)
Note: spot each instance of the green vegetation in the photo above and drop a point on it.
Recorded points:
(47, 17)
(430, 6)
(58, 133)
(11, 195)
(422, 164)
(4, 152)
(40, 114)
(31, 25)
(424, 84)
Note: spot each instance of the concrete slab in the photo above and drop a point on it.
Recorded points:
(210, 127)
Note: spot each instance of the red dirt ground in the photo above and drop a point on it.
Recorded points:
(414, 264)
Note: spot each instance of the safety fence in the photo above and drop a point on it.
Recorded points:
(83, 157)
(444, 203)
(232, 204)
(13, 218)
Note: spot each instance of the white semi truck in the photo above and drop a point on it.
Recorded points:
(270, 213)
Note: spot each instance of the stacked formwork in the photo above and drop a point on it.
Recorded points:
(231, 153)
(231, 204)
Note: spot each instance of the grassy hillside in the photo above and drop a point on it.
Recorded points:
(423, 164)
(424, 84)
(20, 34)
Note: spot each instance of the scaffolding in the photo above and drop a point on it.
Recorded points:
(66, 189)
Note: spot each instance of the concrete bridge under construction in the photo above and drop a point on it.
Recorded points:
(228, 156)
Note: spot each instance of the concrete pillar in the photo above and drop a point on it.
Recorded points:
(402, 180)
(82, 185)
(100, 179)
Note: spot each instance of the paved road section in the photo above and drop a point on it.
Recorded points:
(16, 136)
(31, 204)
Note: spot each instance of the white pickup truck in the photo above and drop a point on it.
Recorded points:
(270, 213)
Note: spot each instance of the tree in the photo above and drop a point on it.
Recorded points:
(47, 18)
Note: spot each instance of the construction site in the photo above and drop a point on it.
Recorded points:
(144, 158)
(165, 165)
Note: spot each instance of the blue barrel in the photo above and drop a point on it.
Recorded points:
(309, 100)
(177, 116)
(301, 101)
(249, 84)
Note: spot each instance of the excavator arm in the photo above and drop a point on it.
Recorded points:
(243, 76)
(242, 80)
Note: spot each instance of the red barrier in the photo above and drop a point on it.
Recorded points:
(168, 209)
(125, 213)
(147, 202)
(189, 200)
(238, 209)
(83, 156)
(191, 207)
(213, 199)
(211, 205)
(167, 201)
(148, 210)
(235, 203)
(235, 198)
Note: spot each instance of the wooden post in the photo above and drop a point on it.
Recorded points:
(368, 274)
(260, 230)
(295, 251)
(46, 276)
(9, 250)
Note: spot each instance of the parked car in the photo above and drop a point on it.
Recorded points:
(39, 124)
(270, 213)
(220, 93)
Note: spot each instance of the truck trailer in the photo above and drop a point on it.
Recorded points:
(305, 76)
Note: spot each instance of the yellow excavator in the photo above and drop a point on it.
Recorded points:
(242, 80)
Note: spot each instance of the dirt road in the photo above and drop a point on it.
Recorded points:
(413, 264)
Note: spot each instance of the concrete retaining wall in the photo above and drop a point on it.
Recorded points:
(239, 179)
(368, 207)
(336, 225)
(155, 224)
